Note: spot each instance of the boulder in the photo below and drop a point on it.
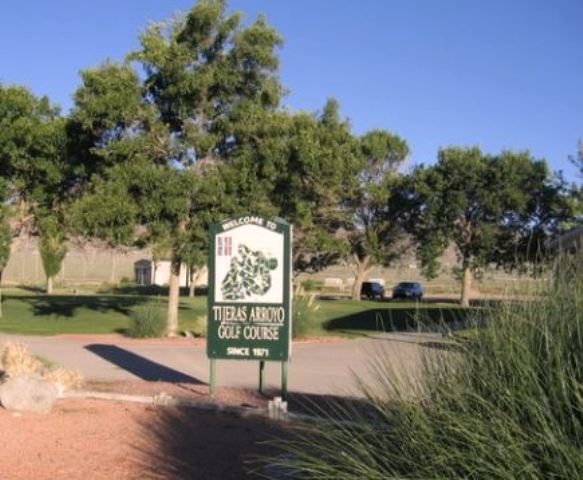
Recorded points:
(28, 393)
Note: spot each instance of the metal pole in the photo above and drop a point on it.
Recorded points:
(213, 377)
(261, 375)
(284, 381)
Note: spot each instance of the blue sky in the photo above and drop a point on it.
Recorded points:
(498, 73)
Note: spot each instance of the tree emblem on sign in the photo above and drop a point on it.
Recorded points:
(249, 274)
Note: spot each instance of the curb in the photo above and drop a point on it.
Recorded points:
(163, 399)
(276, 409)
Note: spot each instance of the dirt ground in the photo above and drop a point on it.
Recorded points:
(97, 439)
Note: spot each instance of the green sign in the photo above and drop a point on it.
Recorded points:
(249, 298)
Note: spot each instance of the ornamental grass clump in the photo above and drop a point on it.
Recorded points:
(304, 308)
(147, 322)
(17, 359)
(505, 404)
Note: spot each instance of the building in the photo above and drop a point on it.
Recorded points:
(149, 272)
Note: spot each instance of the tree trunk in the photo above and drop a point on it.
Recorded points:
(191, 282)
(49, 285)
(360, 269)
(466, 285)
(1, 272)
(173, 298)
(112, 272)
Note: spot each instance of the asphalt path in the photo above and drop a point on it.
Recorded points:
(315, 368)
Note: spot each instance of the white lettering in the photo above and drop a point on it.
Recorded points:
(261, 352)
(229, 331)
(255, 332)
(242, 221)
(238, 351)
(267, 315)
(230, 314)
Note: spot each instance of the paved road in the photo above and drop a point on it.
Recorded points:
(316, 368)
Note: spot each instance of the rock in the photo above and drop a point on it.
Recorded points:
(28, 393)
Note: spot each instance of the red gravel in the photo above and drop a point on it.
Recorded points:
(93, 440)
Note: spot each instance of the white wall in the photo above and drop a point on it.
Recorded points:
(162, 274)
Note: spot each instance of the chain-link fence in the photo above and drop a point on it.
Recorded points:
(82, 265)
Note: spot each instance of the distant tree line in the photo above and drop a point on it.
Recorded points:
(189, 130)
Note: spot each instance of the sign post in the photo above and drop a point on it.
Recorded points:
(249, 297)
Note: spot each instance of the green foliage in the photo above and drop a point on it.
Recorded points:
(304, 310)
(488, 206)
(40, 173)
(311, 285)
(504, 404)
(200, 326)
(494, 209)
(52, 244)
(5, 229)
(372, 230)
(5, 240)
(110, 98)
(147, 322)
(157, 137)
(33, 144)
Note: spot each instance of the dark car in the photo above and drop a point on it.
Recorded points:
(372, 290)
(411, 290)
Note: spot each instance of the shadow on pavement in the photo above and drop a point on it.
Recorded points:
(181, 443)
(140, 366)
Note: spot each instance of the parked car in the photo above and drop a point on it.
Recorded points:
(372, 290)
(412, 290)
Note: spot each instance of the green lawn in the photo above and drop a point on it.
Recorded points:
(49, 315)
(38, 314)
(346, 317)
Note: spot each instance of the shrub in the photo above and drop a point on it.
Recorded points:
(505, 404)
(64, 377)
(303, 310)
(199, 329)
(16, 359)
(147, 322)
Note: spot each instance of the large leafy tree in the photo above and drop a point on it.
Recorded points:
(40, 177)
(373, 234)
(301, 167)
(329, 183)
(321, 173)
(494, 209)
(157, 144)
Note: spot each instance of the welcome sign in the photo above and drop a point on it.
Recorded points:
(249, 302)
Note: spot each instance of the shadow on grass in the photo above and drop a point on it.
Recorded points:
(140, 366)
(327, 406)
(69, 305)
(433, 319)
(149, 290)
(36, 289)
